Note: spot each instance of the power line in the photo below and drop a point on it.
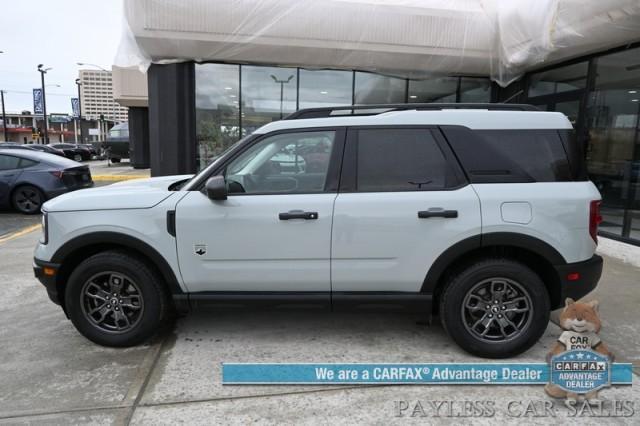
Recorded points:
(24, 92)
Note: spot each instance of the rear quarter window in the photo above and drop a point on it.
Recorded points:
(512, 155)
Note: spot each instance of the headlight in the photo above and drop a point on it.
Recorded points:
(44, 239)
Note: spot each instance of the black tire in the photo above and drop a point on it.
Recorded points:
(467, 299)
(27, 199)
(141, 287)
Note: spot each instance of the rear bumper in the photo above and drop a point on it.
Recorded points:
(49, 281)
(589, 273)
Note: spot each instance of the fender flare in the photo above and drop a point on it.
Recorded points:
(123, 240)
(507, 239)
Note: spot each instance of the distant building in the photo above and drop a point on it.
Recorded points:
(29, 128)
(96, 94)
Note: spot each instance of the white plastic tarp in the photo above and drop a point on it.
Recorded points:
(408, 38)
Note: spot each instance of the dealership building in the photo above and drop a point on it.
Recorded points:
(218, 70)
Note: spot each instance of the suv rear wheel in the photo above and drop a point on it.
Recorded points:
(495, 308)
(116, 299)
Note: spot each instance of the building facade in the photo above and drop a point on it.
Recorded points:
(96, 95)
(212, 81)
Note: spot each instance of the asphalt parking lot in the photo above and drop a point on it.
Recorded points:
(49, 374)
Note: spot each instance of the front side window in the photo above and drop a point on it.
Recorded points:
(285, 163)
(400, 160)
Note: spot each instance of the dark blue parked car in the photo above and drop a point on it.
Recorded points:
(29, 178)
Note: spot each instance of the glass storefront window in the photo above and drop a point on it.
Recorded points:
(613, 147)
(442, 89)
(268, 94)
(379, 89)
(475, 90)
(322, 88)
(558, 80)
(217, 109)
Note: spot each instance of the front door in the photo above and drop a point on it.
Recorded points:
(273, 233)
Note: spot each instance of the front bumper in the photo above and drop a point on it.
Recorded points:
(588, 273)
(48, 280)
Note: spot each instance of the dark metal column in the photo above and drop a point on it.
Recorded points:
(139, 137)
(172, 123)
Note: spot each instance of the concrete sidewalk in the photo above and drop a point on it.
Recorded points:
(49, 374)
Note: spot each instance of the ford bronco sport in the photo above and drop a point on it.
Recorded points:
(481, 214)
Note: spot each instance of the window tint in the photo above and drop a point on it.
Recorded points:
(400, 160)
(7, 162)
(24, 163)
(514, 155)
(285, 163)
(539, 154)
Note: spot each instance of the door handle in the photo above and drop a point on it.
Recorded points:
(298, 214)
(437, 212)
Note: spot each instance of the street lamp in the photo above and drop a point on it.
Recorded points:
(4, 117)
(79, 83)
(42, 72)
(282, 83)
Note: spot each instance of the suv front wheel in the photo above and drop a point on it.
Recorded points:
(115, 299)
(495, 308)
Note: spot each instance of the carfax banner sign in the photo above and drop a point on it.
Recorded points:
(432, 373)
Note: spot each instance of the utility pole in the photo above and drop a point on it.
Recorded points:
(4, 118)
(44, 102)
(79, 83)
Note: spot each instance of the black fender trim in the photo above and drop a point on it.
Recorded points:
(509, 239)
(123, 240)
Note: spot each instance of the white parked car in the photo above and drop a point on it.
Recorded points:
(481, 214)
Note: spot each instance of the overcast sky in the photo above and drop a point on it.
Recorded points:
(57, 34)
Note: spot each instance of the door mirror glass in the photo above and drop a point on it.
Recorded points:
(216, 188)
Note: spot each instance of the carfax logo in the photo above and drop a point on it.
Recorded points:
(580, 371)
(580, 361)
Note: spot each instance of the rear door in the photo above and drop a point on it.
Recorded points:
(402, 202)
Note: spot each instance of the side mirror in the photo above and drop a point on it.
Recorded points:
(216, 188)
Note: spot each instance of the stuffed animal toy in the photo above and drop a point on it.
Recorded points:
(581, 325)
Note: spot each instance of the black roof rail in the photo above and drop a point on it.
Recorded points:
(375, 109)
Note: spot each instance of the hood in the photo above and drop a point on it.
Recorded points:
(132, 194)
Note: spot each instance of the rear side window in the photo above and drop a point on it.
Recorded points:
(24, 163)
(512, 155)
(400, 160)
(8, 162)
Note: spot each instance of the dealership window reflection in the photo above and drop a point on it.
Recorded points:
(323, 88)
(613, 150)
(268, 94)
(217, 110)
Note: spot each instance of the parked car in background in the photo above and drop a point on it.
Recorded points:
(13, 145)
(92, 149)
(46, 148)
(29, 178)
(116, 147)
(73, 151)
